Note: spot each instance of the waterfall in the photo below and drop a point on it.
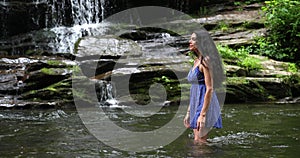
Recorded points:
(105, 93)
(87, 11)
(54, 25)
(75, 12)
(86, 18)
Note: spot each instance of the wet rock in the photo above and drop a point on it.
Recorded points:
(135, 35)
(21, 77)
(254, 89)
(45, 77)
(106, 47)
(61, 90)
(289, 100)
(130, 68)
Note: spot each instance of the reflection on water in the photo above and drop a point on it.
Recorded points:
(249, 131)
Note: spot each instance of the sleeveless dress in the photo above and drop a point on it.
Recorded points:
(197, 93)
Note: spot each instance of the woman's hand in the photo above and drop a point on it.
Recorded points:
(200, 122)
(186, 120)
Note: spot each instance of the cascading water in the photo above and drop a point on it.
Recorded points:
(105, 93)
(88, 11)
(55, 25)
(86, 16)
(49, 25)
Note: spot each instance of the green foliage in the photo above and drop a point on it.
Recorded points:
(193, 56)
(292, 68)
(203, 11)
(223, 26)
(241, 56)
(283, 23)
(229, 53)
(55, 62)
(250, 63)
(166, 79)
(76, 45)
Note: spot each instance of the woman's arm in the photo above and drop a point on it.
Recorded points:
(186, 120)
(208, 94)
(209, 90)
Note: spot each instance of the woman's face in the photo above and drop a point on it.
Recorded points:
(192, 42)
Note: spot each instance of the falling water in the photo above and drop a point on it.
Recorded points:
(86, 16)
(87, 12)
(106, 93)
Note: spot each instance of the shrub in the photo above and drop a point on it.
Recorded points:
(283, 23)
(242, 57)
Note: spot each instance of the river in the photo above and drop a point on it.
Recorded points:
(250, 130)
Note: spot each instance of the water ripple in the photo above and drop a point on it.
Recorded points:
(34, 116)
(237, 138)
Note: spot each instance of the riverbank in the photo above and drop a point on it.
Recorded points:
(44, 80)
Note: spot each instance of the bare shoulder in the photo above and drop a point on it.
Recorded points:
(203, 68)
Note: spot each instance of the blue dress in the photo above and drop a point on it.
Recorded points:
(197, 93)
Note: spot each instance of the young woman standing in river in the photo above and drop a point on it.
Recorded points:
(204, 111)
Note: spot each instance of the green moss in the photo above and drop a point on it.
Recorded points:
(51, 89)
(76, 45)
(76, 71)
(271, 97)
(48, 71)
(258, 88)
(32, 92)
(55, 62)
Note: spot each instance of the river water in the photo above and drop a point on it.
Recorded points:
(250, 130)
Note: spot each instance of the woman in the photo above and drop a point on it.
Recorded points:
(204, 111)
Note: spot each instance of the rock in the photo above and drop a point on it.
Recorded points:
(256, 89)
(135, 35)
(24, 81)
(129, 66)
(46, 81)
(8, 83)
(106, 47)
(288, 100)
(61, 90)
(238, 39)
(233, 70)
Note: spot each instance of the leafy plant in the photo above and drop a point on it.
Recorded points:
(223, 26)
(250, 63)
(242, 57)
(292, 68)
(193, 56)
(229, 53)
(283, 23)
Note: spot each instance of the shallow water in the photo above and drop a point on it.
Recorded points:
(250, 130)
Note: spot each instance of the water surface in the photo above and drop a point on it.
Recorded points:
(250, 130)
